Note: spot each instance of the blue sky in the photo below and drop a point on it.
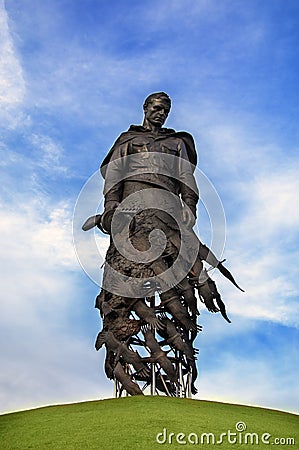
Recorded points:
(73, 75)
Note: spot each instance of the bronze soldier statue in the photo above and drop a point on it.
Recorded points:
(153, 266)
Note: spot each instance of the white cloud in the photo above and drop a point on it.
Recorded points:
(273, 202)
(262, 248)
(12, 84)
(45, 357)
(46, 352)
(253, 380)
(267, 296)
(247, 362)
(45, 365)
(259, 188)
(50, 154)
(36, 248)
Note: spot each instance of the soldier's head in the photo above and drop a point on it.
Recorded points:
(156, 109)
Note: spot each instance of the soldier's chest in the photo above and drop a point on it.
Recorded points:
(145, 144)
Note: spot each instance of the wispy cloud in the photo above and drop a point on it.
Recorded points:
(248, 359)
(50, 154)
(257, 180)
(46, 353)
(49, 367)
(12, 84)
(252, 379)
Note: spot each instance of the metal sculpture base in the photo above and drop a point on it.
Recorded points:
(158, 383)
(184, 391)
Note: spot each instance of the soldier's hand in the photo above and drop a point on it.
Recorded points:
(107, 215)
(188, 218)
(107, 219)
(118, 224)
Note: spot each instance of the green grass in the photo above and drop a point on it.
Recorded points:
(133, 422)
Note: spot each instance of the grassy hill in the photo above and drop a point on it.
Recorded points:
(134, 422)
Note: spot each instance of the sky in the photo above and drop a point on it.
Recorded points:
(73, 76)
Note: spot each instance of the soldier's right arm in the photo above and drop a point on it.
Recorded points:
(115, 174)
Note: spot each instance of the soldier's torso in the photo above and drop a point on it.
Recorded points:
(154, 158)
(147, 142)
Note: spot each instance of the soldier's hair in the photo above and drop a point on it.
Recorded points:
(157, 95)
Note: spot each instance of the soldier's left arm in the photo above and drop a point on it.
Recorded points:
(188, 187)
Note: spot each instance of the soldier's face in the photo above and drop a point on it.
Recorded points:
(156, 112)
